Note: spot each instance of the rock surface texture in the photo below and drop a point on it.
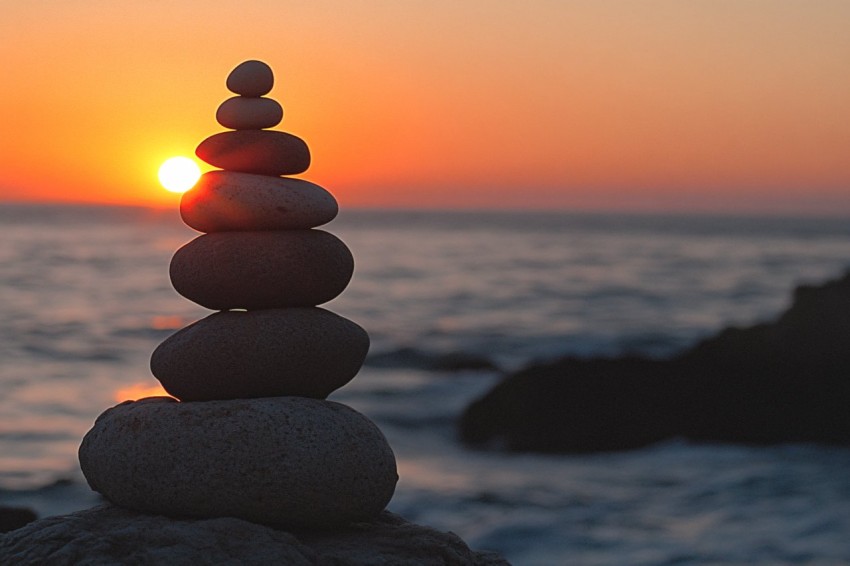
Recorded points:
(264, 269)
(285, 461)
(12, 518)
(227, 200)
(243, 113)
(777, 382)
(111, 535)
(264, 152)
(309, 352)
(250, 79)
(251, 436)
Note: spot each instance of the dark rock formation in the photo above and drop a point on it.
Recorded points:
(112, 535)
(12, 518)
(783, 381)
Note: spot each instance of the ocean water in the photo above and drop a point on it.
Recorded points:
(85, 297)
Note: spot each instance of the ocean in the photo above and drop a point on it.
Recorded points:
(86, 298)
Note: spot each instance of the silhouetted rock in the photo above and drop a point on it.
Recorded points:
(262, 269)
(12, 518)
(111, 535)
(223, 201)
(305, 351)
(777, 382)
(251, 78)
(249, 113)
(263, 152)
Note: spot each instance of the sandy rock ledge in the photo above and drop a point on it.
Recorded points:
(111, 535)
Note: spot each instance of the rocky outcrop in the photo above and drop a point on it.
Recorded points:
(112, 535)
(782, 381)
(12, 518)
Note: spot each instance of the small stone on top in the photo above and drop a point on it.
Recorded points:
(251, 78)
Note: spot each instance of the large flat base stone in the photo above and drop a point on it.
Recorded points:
(282, 461)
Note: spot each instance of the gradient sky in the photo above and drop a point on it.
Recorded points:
(722, 106)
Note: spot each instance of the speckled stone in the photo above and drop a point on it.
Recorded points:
(264, 152)
(284, 461)
(251, 78)
(108, 535)
(244, 113)
(262, 270)
(226, 200)
(308, 351)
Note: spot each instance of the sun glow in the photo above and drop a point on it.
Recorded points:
(140, 390)
(179, 174)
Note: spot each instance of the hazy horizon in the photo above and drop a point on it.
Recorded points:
(833, 214)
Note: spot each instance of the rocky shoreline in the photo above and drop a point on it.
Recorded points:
(783, 381)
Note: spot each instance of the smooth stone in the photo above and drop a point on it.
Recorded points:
(283, 461)
(226, 200)
(309, 352)
(262, 270)
(264, 152)
(110, 535)
(251, 78)
(243, 113)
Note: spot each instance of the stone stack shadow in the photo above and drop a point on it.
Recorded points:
(252, 435)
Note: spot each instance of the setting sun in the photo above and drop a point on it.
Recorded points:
(179, 174)
(139, 390)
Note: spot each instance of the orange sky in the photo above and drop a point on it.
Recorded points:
(721, 105)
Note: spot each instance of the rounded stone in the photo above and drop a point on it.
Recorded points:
(228, 200)
(264, 152)
(243, 113)
(282, 461)
(309, 352)
(262, 270)
(251, 78)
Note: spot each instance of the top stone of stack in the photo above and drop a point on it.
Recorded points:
(251, 78)
(250, 147)
(250, 110)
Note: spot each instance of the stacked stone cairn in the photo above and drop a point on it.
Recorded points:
(250, 433)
